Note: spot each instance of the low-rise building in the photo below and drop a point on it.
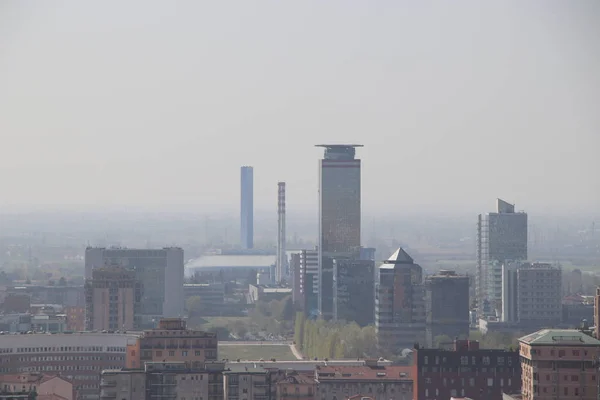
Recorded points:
(295, 385)
(172, 342)
(78, 357)
(212, 296)
(247, 383)
(267, 293)
(372, 380)
(465, 371)
(559, 363)
(164, 380)
(44, 386)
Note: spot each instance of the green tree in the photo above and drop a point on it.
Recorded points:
(286, 309)
(441, 340)
(299, 329)
(194, 305)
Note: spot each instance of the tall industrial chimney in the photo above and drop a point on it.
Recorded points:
(281, 267)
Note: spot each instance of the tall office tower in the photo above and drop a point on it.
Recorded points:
(510, 289)
(339, 215)
(353, 290)
(446, 306)
(501, 237)
(539, 295)
(247, 208)
(112, 300)
(399, 303)
(309, 281)
(281, 267)
(159, 271)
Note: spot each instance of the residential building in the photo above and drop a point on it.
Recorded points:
(372, 380)
(78, 357)
(339, 214)
(75, 318)
(251, 383)
(539, 295)
(165, 380)
(597, 313)
(247, 208)
(399, 303)
(296, 385)
(172, 342)
(309, 281)
(501, 237)
(446, 306)
(159, 271)
(113, 299)
(465, 371)
(353, 290)
(46, 387)
(559, 364)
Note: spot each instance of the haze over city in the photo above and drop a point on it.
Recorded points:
(155, 105)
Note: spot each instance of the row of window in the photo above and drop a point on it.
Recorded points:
(44, 368)
(82, 349)
(69, 358)
(490, 381)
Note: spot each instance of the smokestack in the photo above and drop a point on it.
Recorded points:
(281, 267)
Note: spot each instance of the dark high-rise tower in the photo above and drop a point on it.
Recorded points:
(339, 214)
(247, 208)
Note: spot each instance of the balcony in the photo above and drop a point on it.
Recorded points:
(171, 346)
(104, 383)
(297, 395)
(108, 395)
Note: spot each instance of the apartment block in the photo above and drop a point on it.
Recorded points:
(559, 364)
(164, 380)
(172, 342)
(247, 383)
(112, 299)
(465, 371)
(45, 387)
(539, 295)
(372, 380)
(295, 385)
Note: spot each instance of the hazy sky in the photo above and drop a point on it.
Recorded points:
(158, 103)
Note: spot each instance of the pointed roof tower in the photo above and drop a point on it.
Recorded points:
(399, 257)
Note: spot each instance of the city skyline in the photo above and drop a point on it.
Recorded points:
(448, 114)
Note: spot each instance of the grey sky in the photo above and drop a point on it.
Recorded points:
(159, 103)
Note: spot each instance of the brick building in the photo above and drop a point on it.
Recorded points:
(296, 386)
(559, 363)
(465, 371)
(171, 342)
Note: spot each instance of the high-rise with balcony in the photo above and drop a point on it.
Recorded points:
(247, 207)
(339, 215)
(501, 237)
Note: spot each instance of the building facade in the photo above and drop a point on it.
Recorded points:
(78, 357)
(501, 237)
(465, 371)
(376, 382)
(164, 380)
(212, 296)
(539, 295)
(113, 299)
(159, 271)
(510, 291)
(339, 215)
(172, 342)
(247, 207)
(309, 281)
(353, 290)
(399, 303)
(446, 306)
(559, 364)
(281, 266)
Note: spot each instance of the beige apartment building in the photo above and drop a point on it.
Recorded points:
(559, 364)
(172, 342)
(112, 299)
(246, 383)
